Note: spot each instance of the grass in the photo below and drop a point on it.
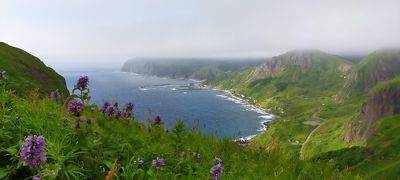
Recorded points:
(26, 72)
(90, 151)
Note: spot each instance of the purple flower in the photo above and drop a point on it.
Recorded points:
(104, 107)
(91, 121)
(109, 111)
(82, 83)
(129, 106)
(36, 178)
(157, 120)
(158, 162)
(33, 151)
(75, 107)
(216, 171)
(82, 118)
(56, 96)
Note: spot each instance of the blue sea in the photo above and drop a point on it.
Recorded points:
(211, 111)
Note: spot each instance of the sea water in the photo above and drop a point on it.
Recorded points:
(211, 111)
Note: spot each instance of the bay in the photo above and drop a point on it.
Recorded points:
(211, 111)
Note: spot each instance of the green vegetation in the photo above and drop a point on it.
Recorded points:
(200, 69)
(90, 151)
(26, 72)
(389, 84)
(304, 89)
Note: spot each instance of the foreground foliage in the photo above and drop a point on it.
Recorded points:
(132, 150)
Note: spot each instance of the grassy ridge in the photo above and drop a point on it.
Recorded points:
(26, 72)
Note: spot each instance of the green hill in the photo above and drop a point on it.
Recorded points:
(298, 86)
(188, 68)
(126, 149)
(26, 72)
(378, 66)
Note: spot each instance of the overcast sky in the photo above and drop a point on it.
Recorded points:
(76, 33)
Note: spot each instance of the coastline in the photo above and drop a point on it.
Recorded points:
(267, 117)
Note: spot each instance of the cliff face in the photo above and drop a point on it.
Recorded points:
(383, 102)
(301, 60)
(26, 72)
(377, 67)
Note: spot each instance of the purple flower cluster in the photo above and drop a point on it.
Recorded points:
(158, 162)
(217, 170)
(157, 121)
(82, 83)
(75, 107)
(112, 110)
(36, 178)
(33, 151)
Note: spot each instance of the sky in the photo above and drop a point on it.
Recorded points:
(96, 33)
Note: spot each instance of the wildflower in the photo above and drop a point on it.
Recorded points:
(91, 121)
(82, 83)
(139, 162)
(109, 111)
(75, 125)
(104, 107)
(129, 106)
(2, 75)
(157, 120)
(217, 160)
(158, 162)
(82, 119)
(33, 151)
(36, 178)
(56, 96)
(216, 171)
(75, 107)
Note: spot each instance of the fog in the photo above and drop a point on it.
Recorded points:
(93, 33)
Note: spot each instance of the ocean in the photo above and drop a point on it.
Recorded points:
(211, 111)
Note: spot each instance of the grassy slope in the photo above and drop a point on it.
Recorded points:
(302, 95)
(89, 151)
(26, 72)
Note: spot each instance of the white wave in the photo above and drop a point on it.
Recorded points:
(246, 138)
(143, 89)
(269, 116)
(173, 89)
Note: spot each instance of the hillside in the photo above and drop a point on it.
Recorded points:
(187, 68)
(91, 143)
(26, 72)
(378, 66)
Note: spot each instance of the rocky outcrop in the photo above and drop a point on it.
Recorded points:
(377, 67)
(383, 103)
(302, 60)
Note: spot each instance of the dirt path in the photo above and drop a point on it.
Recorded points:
(306, 141)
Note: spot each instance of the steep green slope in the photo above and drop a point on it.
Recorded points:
(300, 87)
(26, 72)
(378, 66)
